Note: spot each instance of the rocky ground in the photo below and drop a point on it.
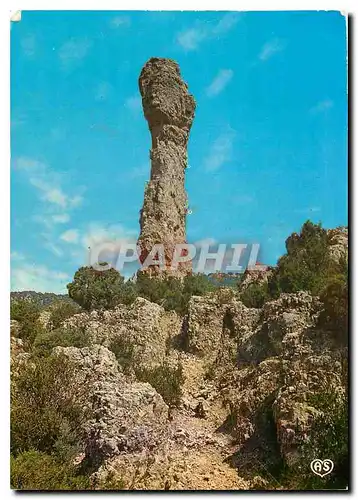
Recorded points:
(242, 369)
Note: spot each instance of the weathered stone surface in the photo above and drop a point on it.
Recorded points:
(169, 109)
(212, 318)
(259, 277)
(284, 360)
(143, 327)
(125, 416)
(14, 327)
(338, 241)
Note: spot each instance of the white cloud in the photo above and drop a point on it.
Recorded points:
(322, 106)
(49, 244)
(271, 48)
(100, 233)
(119, 21)
(60, 218)
(49, 193)
(76, 201)
(205, 241)
(227, 22)
(220, 82)
(54, 249)
(73, 51)
(38, 278)
(47, 182)
(17, 256)
(134, 103)
(191, 38)
(220, 151)
(70, 236)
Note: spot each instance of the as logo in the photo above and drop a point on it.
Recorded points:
(322, 467)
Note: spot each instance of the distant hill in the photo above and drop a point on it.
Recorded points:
(44, 299)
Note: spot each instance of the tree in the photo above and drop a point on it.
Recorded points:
(62, 310)
(93, 289)
(255, 295)
(334, 297)
(171, 292)
(305, 265)
(48, 406)
(27, 313)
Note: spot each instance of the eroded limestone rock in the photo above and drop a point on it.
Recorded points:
(143, 329)
(124, 416)
(169, 110)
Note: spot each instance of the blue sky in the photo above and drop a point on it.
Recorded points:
(267, 150)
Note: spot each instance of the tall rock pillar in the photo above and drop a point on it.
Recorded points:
(169, 110)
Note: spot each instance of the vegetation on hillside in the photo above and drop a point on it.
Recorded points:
(308, 266)
(48, 406)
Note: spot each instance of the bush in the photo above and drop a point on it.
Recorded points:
(47, 407)
(304, 267)
(34, 470)
(173, 293)
(328, 439)
(111, 482)
(334, 297)
(255, 295)
(61, 311)
(129, 292)
(166, 380)
(45, 341)
(93, 289)
(123, 351)
(27, 313)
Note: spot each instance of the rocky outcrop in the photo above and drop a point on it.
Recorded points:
(338, 241)
(169, 110)
(213, 319)
(125, 417)
(257, 276)
(281, 363)
(144, 329)
(130, 435)
(14, 327)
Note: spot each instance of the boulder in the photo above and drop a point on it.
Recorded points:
(124, 416)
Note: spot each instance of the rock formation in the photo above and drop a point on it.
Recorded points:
(144, 328)
(169, 109)
(125, 416)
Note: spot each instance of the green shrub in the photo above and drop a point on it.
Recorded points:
(158, 290)
(27, 313)
(173, 293)
(166, 380)
(47, 406)
(93, 289)
(304, 267)
(328, 439)
(334, 297)
(45, 341)
(34, 470)
(111, 482)
(255, 295)
(62, 310)
(123, 351)
(129, 292)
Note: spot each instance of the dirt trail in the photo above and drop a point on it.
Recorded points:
(194, 456)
